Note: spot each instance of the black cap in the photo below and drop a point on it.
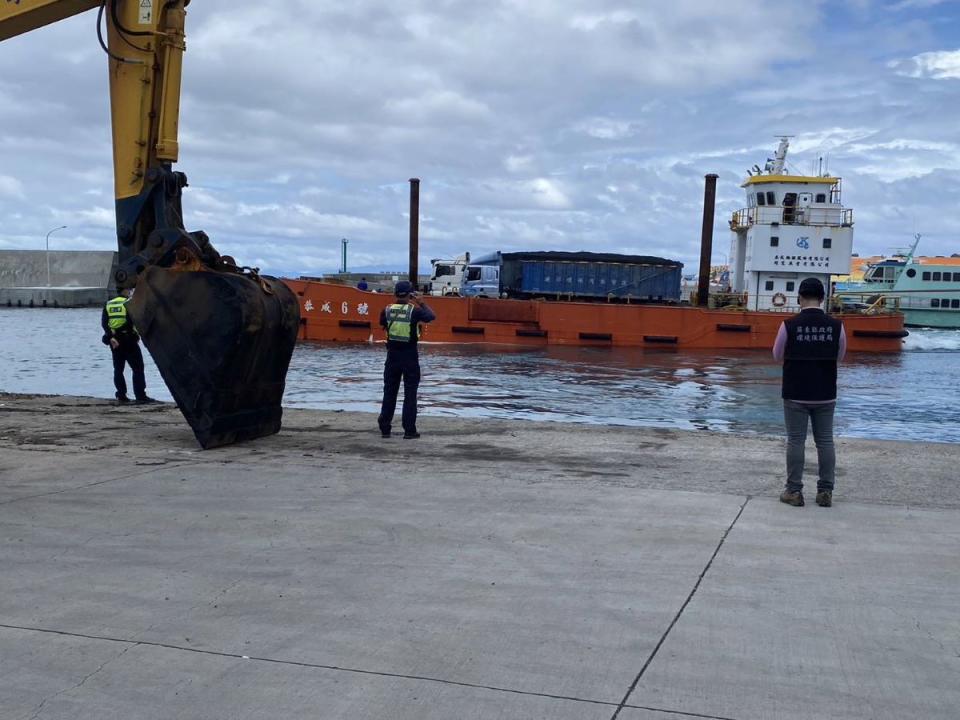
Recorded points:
(812, 288)
(404, 287)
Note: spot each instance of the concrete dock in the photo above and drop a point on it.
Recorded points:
(58, 279)
(491, 569)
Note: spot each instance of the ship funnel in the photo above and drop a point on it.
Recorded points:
(706, 238)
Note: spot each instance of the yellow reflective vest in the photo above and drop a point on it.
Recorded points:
(116, 313)
(400, 322)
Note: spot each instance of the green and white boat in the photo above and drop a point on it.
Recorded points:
(928, 293)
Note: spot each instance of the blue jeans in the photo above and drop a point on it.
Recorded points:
(795, 416)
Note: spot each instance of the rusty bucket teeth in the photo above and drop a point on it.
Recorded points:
(222, 342)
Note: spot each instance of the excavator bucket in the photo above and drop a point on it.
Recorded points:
(222, 342)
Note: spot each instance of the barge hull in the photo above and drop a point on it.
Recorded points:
(337, 313)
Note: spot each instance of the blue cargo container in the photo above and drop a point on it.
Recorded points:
(590, 275)
(574, 275)
(588, 279)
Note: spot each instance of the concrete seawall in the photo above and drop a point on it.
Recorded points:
(492, 569)
(77, 278)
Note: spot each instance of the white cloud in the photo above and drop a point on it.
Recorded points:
(437, 105)
(547, 194)
(917, 4)
(98, 217)
(938, 65)
(11, 187)
(518, 163)
(605, 128)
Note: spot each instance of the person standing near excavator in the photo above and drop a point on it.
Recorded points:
(402, 322)
(124, 341)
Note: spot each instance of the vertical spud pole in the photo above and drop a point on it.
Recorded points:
(706, 239)
(414, 230)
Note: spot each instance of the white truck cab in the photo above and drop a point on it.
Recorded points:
(448, 275)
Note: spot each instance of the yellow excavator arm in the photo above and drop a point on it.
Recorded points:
(145, 44)
(20, 16)
(221, 335)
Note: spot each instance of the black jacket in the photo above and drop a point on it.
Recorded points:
(810, 356)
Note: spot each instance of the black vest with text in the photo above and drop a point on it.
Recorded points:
(810, 356)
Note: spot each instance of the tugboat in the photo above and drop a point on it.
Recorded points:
(793, 227)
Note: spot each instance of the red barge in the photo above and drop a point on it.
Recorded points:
(337, 313)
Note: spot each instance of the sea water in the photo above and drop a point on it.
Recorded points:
(910, 395)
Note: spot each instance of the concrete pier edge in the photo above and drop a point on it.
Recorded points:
(490, 569)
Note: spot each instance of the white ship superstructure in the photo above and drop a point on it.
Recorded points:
(794, 227)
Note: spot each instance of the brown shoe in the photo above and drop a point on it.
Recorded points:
(825, 498)
(791, 497)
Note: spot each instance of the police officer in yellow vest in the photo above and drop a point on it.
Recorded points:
(402, 322)
(120, 334)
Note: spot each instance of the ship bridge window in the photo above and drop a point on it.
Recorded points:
(774, 241)
(955, 303)
(821, 197)
(911, 273)
(936, 276)
(790, 285)
(789, 207)
(768, 285)
(926, 275)
(771, 197)
(760, 199)
(935, 302)
(956, 277)
(827, 243)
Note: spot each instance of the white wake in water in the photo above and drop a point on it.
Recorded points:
(925, 340)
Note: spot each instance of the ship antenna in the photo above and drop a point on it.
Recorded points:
(913, 248)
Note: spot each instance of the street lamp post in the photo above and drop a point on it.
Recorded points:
(62, 227)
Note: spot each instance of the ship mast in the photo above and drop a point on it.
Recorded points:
(780, 158)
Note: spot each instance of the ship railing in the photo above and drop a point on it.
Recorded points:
(832, 216)
(866, 303)
(726, 300)
(738, 301)
(862, 303)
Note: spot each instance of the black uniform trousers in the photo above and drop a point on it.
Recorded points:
(129, 353)
(400, 365)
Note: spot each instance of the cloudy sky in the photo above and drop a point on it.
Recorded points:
(534, 124)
